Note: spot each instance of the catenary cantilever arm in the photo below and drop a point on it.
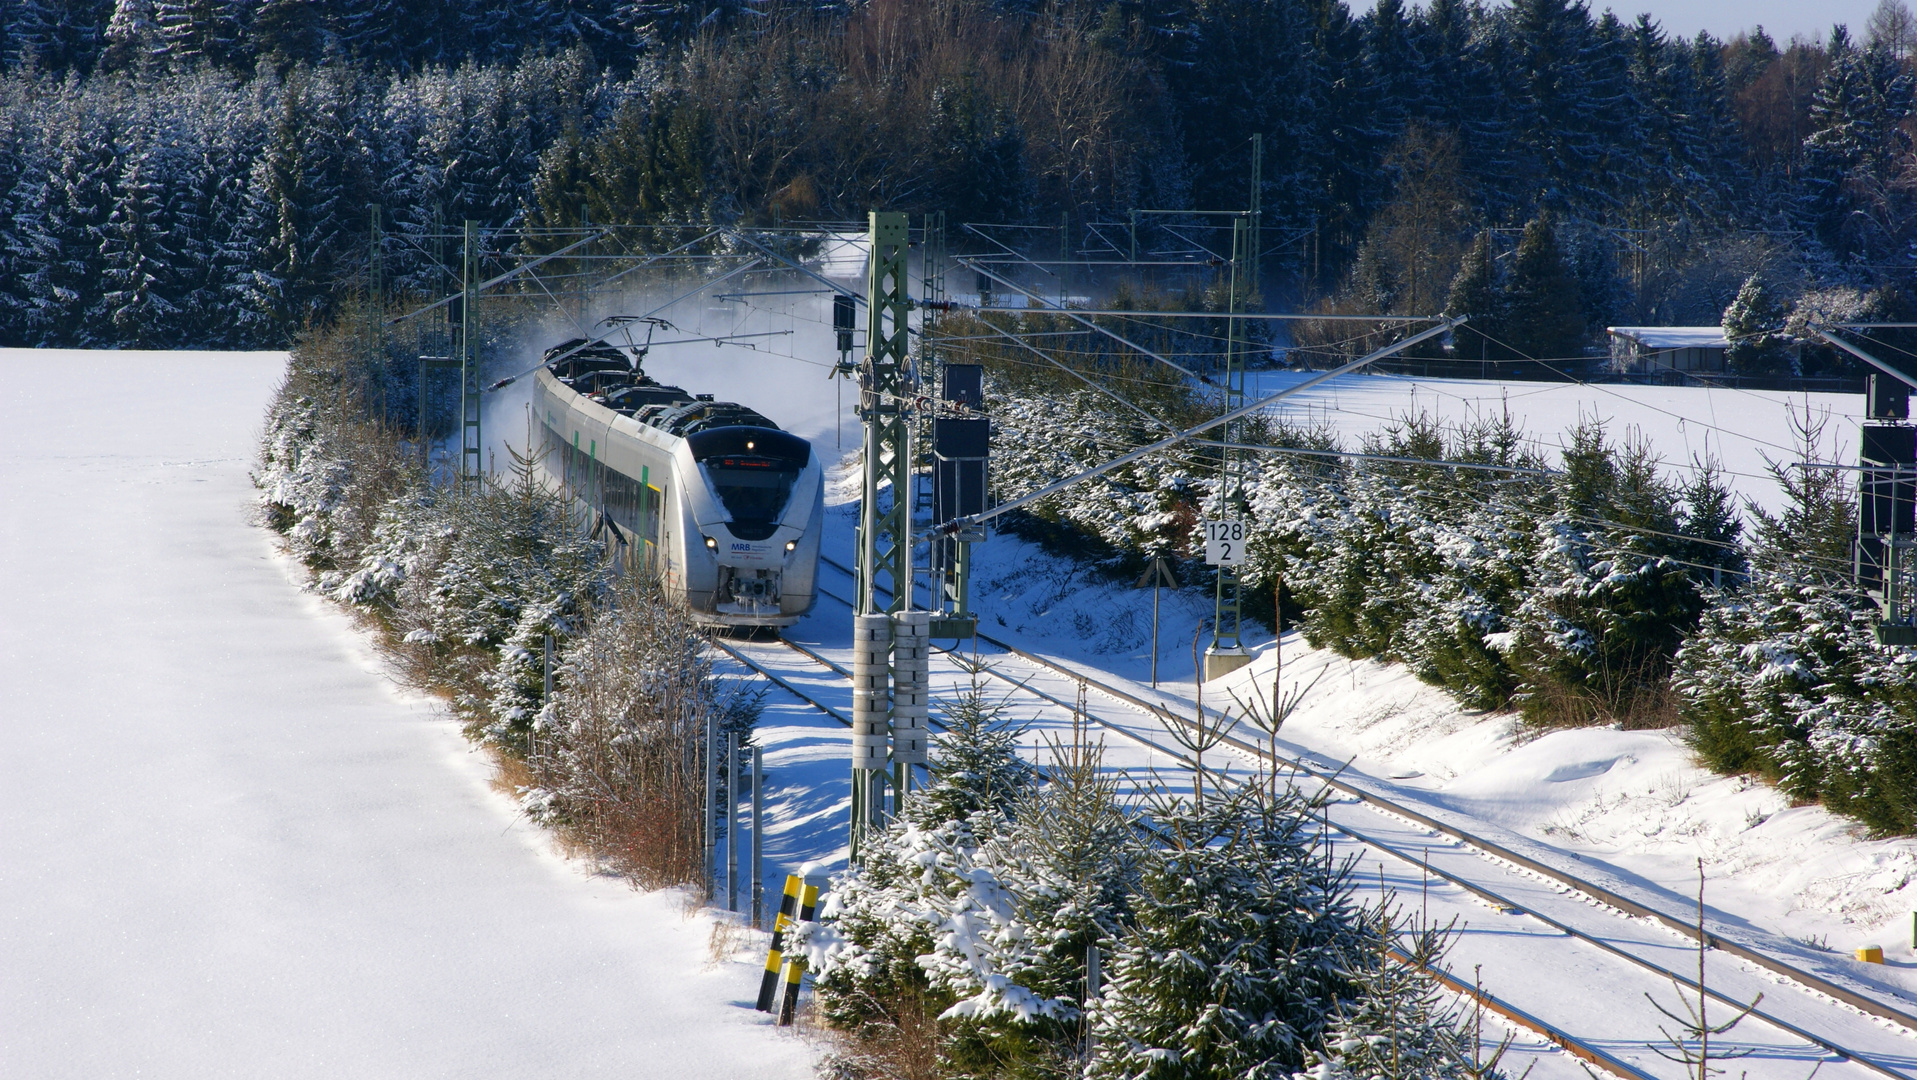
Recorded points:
(1058, 309)
(1881, 365)
(507, 276)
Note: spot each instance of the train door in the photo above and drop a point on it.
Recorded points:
(651, 505)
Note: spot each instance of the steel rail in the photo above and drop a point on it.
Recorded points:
(1861, 1002)
(1681, 979)
(782, 683)
(1810, 980)
(1556, 1036)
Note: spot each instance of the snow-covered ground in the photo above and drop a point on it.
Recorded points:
(233, 848)
(1632, 804)
(1411, 743)
(237, 847)
(1739, 429)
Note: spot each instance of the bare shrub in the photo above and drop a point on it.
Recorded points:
(620, 760)
(902, 1042)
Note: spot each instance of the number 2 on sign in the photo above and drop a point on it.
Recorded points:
(1224, 543)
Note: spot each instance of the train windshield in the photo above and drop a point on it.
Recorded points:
(752, 470)
(754, 490)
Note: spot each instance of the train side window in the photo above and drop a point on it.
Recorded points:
(623, 500)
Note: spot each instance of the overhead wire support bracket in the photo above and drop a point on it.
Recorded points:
(1247, 315)
(507, 276)
(973, 229)
(794, 264)
(604, 338)
(1350, 455)
(1076, 374)
(1884, 366)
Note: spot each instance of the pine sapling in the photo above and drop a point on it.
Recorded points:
(1202, 733)
(1690, 1046)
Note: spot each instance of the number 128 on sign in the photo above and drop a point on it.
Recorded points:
(1224, 543)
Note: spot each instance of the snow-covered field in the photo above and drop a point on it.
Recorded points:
(1739, 429)
(233, 848)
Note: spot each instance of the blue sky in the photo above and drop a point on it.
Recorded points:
(1723, 18)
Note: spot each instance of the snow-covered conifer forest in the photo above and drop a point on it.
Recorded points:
(197, 173)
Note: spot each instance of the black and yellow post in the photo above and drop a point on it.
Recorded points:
(795, 966)
(788, 908)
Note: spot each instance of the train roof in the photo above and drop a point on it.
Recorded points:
(600, 372)
(700, 416)
(577, 356)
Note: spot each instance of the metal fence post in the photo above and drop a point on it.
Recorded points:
(712, 797)
(758, 836)
(732, 821)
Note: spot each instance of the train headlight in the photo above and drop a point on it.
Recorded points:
(791, 546)
(711, 544)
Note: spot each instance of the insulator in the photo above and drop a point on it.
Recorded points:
(871, 691)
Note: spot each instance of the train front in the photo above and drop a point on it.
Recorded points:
(757, 499)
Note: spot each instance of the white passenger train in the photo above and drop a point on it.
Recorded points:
(726, 508)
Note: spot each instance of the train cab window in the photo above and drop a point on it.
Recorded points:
(753, 489)
(752, 470)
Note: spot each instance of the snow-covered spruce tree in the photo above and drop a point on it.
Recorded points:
(1543, 306)
(1374, 564)
(914, 884)
(1241, 947)
(1413, 548)
(1593, 640)
(1485, 549)
(1474, 293)
(1784, 677)
(1418, 563)
(1397, 1024)
(470, 581)
(328, 471)
(1067, 862)
(61, 211)
(1299, 503)
(1127, 509)
(1754, 324)
(485, 576)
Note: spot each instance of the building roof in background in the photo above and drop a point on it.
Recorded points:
(1673, 337)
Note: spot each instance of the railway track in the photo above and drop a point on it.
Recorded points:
(1609, 897)
(1403, 837)
(1588, 1052)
